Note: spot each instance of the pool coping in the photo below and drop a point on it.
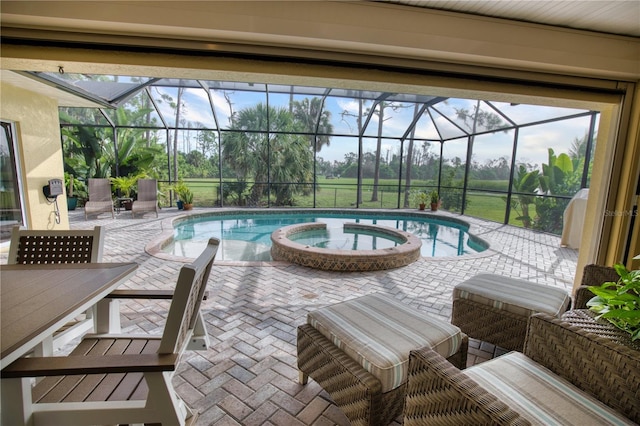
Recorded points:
(283, 248)
(156, 245)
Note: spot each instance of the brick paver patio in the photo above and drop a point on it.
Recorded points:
(249, 375)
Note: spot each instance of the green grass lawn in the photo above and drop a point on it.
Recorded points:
(486, 206)
(341, 193)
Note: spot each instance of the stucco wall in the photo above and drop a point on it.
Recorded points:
(38, 132)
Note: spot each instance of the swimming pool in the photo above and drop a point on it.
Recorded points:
(246, 235)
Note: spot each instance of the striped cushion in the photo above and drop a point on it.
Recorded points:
(378, 332)
(539, 395)
(519, 297)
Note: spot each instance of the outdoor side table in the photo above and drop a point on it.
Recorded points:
(120, 201)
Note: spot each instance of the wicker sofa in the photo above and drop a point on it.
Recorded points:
(573, 348)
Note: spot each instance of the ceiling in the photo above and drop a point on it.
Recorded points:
(620, 17)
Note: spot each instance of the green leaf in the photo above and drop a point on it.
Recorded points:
(557, 178)
(529, 182)
(596, 301)
(552, 157)
(630, 316)
(619, 302)
(544, 182)
(564, 163)
(620, 269)
(604, 293)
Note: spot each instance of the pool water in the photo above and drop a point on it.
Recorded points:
(340, 239)
(247, 236)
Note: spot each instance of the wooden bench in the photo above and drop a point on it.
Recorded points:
(113, 379)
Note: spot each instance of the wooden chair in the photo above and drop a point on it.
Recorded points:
(58, 246)
(100, 200)
(147, 200)
(111, 379)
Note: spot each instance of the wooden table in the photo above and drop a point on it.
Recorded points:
(36, 300)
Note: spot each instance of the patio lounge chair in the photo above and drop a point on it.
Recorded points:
(52, 247)
(115, 379)
(147, 197)
(99, 198)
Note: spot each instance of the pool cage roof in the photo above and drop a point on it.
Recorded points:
(210, 105)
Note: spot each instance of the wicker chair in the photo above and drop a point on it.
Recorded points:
(147, 200)
(100, 200)
(592, 275)
(602, 370)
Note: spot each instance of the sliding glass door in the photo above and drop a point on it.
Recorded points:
(11, 209)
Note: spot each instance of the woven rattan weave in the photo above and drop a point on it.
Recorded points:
(440, 394)
(507, 330)
(489, 324)
(356, 391)
(587, 353)
(593, 275)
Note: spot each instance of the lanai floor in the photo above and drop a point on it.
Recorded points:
(249, 375)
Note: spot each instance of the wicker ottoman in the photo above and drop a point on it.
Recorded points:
(495, 309)
(358, 351)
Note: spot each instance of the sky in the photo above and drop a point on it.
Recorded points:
(533, 141)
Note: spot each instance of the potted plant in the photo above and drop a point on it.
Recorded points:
(179, 188)
(124, 186)
(421, 199)
(187, 198)
(75, 191)
(619, 302)
(435, 200)
(72, 201)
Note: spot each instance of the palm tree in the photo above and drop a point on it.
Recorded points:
(525, 185)
(358, 118)
(578, 148)
(315, 120)
(376, 172)
(380, 112)
(281, 153)
(409, 161)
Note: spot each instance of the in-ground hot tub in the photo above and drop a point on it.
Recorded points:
(404, 248)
